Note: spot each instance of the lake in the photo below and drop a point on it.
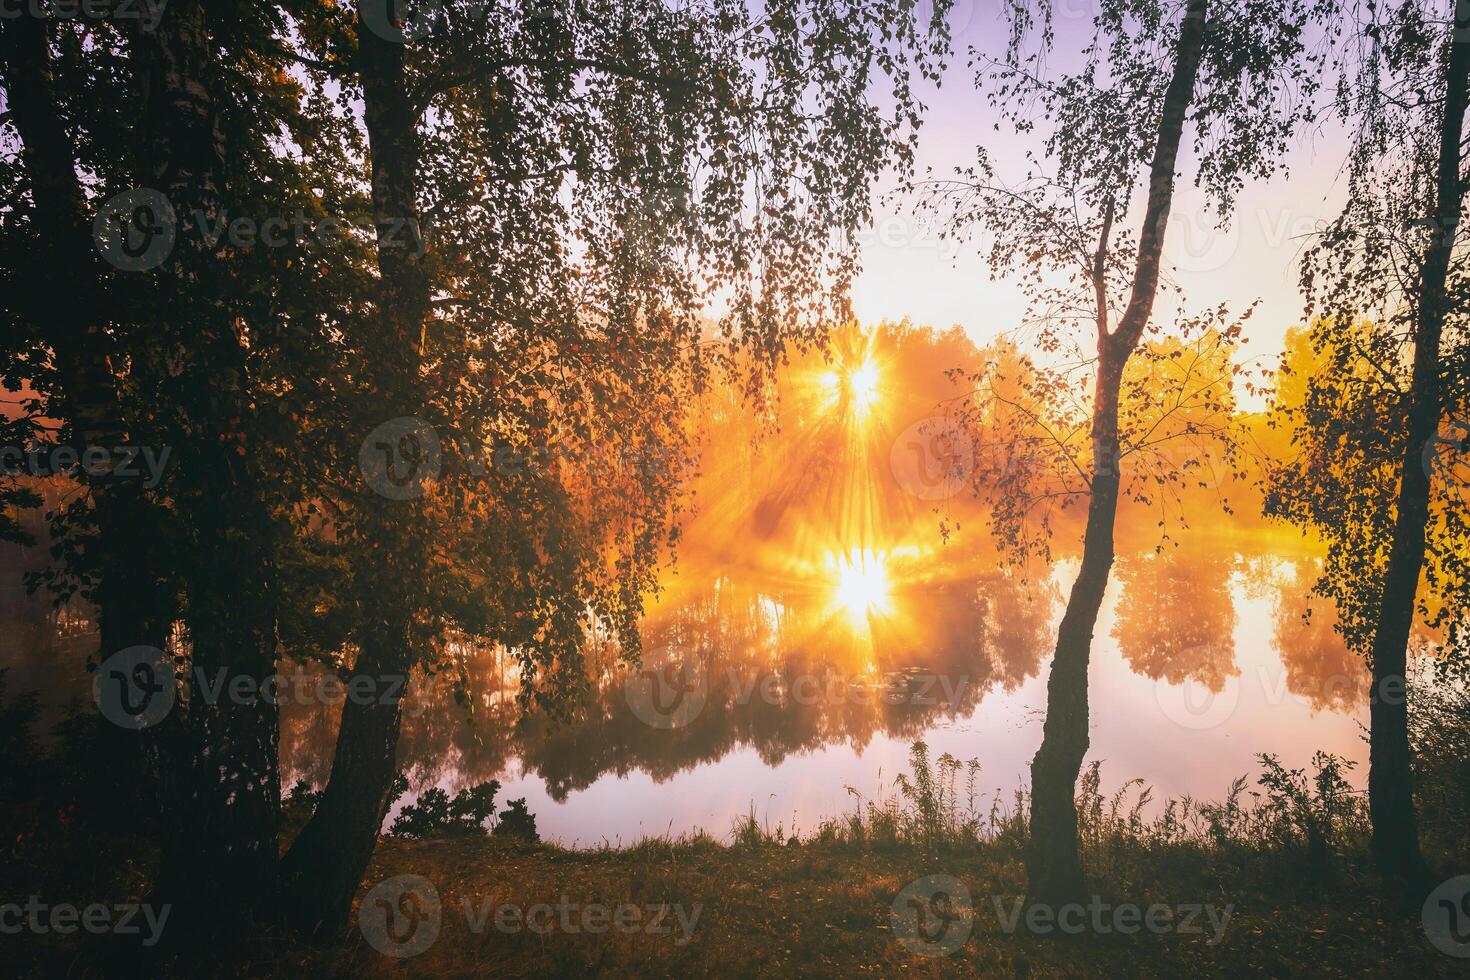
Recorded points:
(777, 695)
(776, 689)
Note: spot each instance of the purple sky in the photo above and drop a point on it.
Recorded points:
(909, 272)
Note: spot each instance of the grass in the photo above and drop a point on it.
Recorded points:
(817, 910)
(1285, 852)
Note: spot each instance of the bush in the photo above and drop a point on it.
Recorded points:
(1306, 820)
(434, 814)
(925, 809)
(1439, 735)
(517, 822)
(90, 773)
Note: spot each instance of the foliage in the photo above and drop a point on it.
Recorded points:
(1344, 385)
(78, 777)
(18, 742)
(925, 810)
(517, 822)
(1308, 823)
(1308, 817)
(435, 814)
(1339, 393)
(15, 495)
(1439, 733)
(1058, 229)
(301, 801)
(685, 151)
(1183, 444)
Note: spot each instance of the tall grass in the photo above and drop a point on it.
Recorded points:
(1439, 734)
(925, 807)
(1304, 819)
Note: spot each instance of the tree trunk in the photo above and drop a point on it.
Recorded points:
(69, 301)
(220, 870)
(326, 863)
(1390, 786)
(1053, 868)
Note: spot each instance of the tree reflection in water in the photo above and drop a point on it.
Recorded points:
(778, 674)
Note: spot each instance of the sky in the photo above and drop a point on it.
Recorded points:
(909, 272)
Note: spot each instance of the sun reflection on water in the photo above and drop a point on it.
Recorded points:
(862, 587)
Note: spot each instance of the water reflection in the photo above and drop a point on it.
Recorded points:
(1176, 618)
(778, 672)
(1318, 665)
(803, 688)
(783, 672)
(780, 677)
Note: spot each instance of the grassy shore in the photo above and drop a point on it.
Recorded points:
(1274, 880)
(761, 904)
(814, 910)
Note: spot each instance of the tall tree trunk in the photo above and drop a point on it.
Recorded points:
(69, 299)
(1053, 869)
(1390, 784)
(220, 872)
(326, 863)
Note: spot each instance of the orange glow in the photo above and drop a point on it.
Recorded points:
(862, 588)
(863, 383)
(820, 509)
(855, 387)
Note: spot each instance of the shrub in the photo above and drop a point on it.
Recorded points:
(435, 814)
(517, 822)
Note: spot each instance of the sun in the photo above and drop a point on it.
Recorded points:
(862, 587)
(857, 387)
(863, 383)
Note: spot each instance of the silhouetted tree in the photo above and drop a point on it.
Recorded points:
(542, 315)
(1149, 70)
(1371, 467)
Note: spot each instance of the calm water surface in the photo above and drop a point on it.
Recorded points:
(779, 696)
(778, 692)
